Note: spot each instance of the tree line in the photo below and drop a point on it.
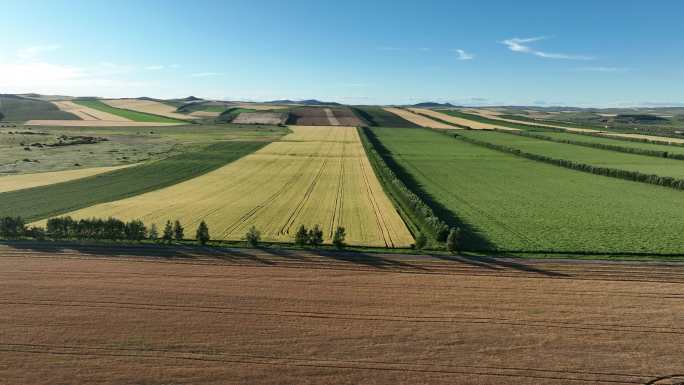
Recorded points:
(621, 138)
(420, 210)
(602, 146)
(635, 176)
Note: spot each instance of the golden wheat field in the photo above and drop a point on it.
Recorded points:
(87, 113)
(147, 106)
(418, 119)
(315, 175)
(20, 182)
(460, 121)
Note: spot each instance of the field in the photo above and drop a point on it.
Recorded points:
(113, 316)
(41, 202)
(417, 119)
(614, 141)
(376, 116)
(19, 109)
(316, 175)
(509, 203)
(23, 181)
(323, 116)
(146, 106)
(274, 118)
(88, 113)
(135, 116)
(593, 156)
(449, 118)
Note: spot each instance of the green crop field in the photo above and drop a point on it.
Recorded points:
(482, 119)
(135, 116)
(377, 116)
(18, 109)
(614, 141)
(42, 202)
(593, 156)
(510, 203)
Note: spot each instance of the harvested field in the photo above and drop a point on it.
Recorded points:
(259, 106)
(273, 118)
(377, 116)
(316, 175)
(147, 106)
(113, 316)
(459, 121)
(87, 113)
(23, 181)
(205, 114)
(420, 120)
(97, 123)
(323, 116)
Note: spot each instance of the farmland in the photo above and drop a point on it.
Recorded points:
(316, 175)
(323, 116)
(273, 118)
(377, 116)
(44, 201)
(614, 141)
(135, 116)
(593, 156)
(416, 119)
(146, 106)
(158, 316)
(509, 203)
(19, 109)
(23, 181)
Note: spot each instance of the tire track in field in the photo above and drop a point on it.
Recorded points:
(379, 218)
(328, 363)
(294, 214)
(339, 196)
(365, 317)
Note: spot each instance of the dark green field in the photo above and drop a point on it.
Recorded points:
(135, 116)
(376, 116)
(42, 202)
(593, 156)
(614, 141)
(510, 203)
(17, 109)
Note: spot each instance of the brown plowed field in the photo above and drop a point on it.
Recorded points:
(323, 116)
(177, 316)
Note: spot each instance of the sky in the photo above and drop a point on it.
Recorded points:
(608, 53)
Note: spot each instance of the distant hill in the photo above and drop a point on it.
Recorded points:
(432, 105)
(308, 102)
(18, 109)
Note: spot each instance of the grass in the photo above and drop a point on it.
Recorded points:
(135, 116)
(19, 109)
(376, 116)
(593, 156)
(503, 202)
(42, 202)
(312, 176)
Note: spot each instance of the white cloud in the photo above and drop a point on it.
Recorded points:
(522, 45)
(463, 55)
(29, 53)
(602, 69)
(205, 74)
(155, 67)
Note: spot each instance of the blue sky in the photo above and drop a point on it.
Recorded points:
(586, 53)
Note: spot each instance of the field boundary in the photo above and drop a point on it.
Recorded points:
(163, 119)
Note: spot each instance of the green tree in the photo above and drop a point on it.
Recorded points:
(178, 231)
(421, 241)
(153, 234)
(253, 236)
(167, 236)
(136, 230)
(202, 233)
(339, 236)
(316, 236)
(452, 240)
(302, 236)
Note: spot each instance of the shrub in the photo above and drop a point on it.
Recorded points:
(421, 241)
(338, 237)
(302, 236)
(452, 240)
(202, 235)
(178, 231)
(153, 234)
(316, 236)
(167, 236)
(253, 236)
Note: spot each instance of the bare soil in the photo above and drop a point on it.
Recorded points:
(140, 315)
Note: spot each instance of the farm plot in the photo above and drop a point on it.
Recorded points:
(316, 175)
(509, 203)
(135, 116)
(458, 120)
(616, 141)
(376, 116)
(23, 181)
(593, 156)
(417, 119)
(273, 118)
(19, 109)
(323, 116)
(496, 117)
(88, 113)
(147, 106)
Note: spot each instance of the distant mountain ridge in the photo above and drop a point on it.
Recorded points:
(432, 105)
(308, 102)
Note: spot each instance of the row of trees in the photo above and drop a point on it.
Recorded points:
(417, 206)
(635, 176)
(622, 138)
(602, 146)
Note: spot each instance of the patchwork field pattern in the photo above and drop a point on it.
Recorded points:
(457, 120)
(417, 119)
(147, 106)
(316, 175)
(273, 118)
(515, 204)
(87, 113)
(324, 116)
(23, 181)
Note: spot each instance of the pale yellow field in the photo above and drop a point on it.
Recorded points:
(148, 106)
(204, 114)
(460, 121)
(97, 123)
(19, 182)
(418, 119)
(315, 175)
(491, 115)
(87, 113)
(259, 107)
